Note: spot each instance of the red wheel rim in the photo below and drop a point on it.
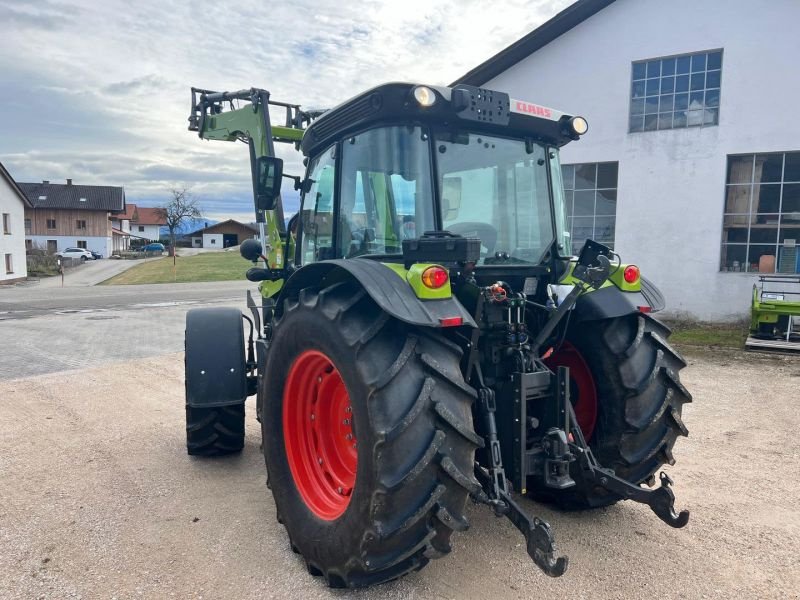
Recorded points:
(318, 435)
(582, 389)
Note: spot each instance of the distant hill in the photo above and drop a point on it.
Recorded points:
(190, 225)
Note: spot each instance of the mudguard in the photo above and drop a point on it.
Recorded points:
(215, 363)
(611, 302)
(390, 292)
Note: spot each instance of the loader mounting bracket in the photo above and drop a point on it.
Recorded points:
(538, 538)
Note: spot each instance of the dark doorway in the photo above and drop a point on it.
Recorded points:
(230, 239)
(52, 246)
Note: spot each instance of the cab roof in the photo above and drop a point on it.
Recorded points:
(458, 107)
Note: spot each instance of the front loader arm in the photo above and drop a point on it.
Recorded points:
(244, 116)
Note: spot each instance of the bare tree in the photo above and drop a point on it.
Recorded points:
(180, 207)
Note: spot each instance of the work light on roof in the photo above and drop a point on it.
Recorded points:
(424, 95)
(579, 125)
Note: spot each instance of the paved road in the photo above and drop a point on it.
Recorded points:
(99, 500)
(43, 330)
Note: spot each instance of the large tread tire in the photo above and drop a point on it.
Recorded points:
(412, 418)
(214, 431)
(640, 402)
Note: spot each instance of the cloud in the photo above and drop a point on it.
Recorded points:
(44, 15)
(99, 91)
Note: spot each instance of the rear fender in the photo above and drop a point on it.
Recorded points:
(389, 291)
(215, 363)
(610, 302)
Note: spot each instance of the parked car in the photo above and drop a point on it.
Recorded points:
(154, 247)
(96, 255)
(78, 253)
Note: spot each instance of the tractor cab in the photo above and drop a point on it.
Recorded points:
(401, 160)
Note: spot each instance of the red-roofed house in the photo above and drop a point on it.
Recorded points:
(148, 222)
(121, 228)
(137, 222)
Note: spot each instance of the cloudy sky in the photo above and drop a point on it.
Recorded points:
(98, 91)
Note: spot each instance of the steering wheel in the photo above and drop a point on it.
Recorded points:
(484, 231)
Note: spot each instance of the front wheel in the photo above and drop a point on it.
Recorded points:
(628, 400)
(368, 437)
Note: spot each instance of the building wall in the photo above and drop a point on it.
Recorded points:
(212, 240)
(103, 245)
(671, 186)
(151, 232)
(97, 222)
(13, 243)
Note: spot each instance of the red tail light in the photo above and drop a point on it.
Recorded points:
(434, 277)
(451, 321)
(631, 274)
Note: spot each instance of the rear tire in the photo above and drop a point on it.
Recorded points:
(411, 417)
(640, 400)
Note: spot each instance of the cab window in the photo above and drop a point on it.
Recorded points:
(386, 191)
(317, 209)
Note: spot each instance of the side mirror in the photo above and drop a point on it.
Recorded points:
(250, 249)
(451, 197)
(268, 174)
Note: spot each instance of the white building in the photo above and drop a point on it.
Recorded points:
(12, 229)
(691, 167)
(146, 223)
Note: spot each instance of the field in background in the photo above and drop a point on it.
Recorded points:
(209, 266)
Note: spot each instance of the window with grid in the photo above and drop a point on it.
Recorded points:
(676, 92)
(51, 223)
(7, 223)
(761, 225)
(590, 193)
(80, 224)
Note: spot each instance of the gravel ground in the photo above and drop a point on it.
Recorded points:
(99, 500)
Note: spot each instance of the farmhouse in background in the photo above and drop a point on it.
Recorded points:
(147, 222)
(13, 204)
(137, 223)
(222, 235)
(68, 215)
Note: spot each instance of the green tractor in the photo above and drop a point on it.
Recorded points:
(424, 334)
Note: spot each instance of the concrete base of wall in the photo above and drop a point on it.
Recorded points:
(12, 281)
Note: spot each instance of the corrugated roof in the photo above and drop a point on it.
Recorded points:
(573, 15)
(75, 197)
(14, 186)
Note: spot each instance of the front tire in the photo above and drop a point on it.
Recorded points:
(402, 491)
(639, 402)
(214, 381)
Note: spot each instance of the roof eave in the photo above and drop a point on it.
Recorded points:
(570, 17)
(7, 176)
